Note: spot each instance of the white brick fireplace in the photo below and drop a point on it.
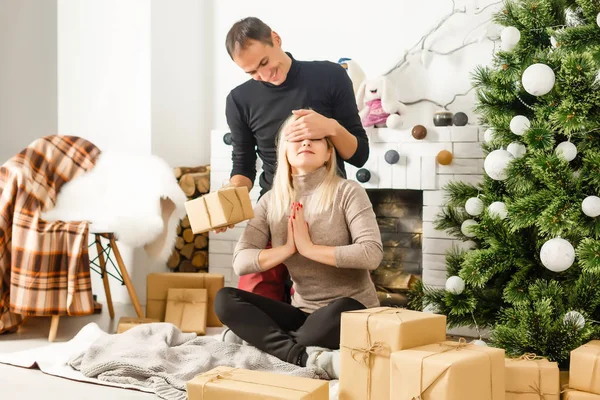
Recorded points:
(417, 169)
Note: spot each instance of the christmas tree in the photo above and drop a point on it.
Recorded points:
(532, 274)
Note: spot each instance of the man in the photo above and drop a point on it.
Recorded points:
(320, 92)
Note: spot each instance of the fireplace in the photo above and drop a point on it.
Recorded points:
(400, 218)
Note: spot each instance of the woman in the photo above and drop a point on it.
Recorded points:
(324, 229)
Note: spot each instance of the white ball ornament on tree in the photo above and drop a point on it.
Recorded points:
(538, 79)
(479, 342)
(598, 19)
(510, 36)
(554, 42)
(495, 164)
(517, 149)
(465, 227)
(488, 135)
(566, 150)
(591, 206)
(474, 206)
(455, 285)
(574, 318)
(519, 124)
(469, 245)
(557, 254)
(498, 209)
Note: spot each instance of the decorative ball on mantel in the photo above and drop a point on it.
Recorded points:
(444, 157)
(419, 132)
(394, 121)
(591, 206)
(442, 118)
(391, 156)
(460, 119)
(474, 206)
(363, 175)
(557, 254)
(455, 284)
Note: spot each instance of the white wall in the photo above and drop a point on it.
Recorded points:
(104, 92)
(27, 73)
(373, 35)
(182, 80)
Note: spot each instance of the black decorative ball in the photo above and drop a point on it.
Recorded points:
(227, 139)
(460, 119)
(392, 157)
(442, 118)
(363, 175)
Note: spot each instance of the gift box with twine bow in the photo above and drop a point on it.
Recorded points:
(224, 207)
(448, 371)
(531, 377)
(368, 337)
(226, 383)
(186, 309)
(584, 371)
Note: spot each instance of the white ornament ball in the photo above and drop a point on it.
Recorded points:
(469, 245)
(566, 150)
(591, 206)
(538, 79)
(495, 164)
(598, 19)
(577, 174)
(455, 285)
(553, 42)
(575, 318)
(488, 135)
(517, 149)
(394, 121)
(498, 209)
(519, 124)
(479, 342)
(465, 227)
(557, 254)
(474, 206)
(510, 36)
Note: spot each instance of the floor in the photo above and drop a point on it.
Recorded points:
(22, 383)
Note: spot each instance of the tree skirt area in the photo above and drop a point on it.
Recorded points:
(156, 358)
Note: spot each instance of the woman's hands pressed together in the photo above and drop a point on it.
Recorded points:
(301, 235)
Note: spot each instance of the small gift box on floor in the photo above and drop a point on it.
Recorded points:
(186, 309)
(368, 338)
(570, 394)
(225, 383)
(158, 285)
(126, 323)
(584, 373)
(531, 378)
(448, 371)
(218, 209)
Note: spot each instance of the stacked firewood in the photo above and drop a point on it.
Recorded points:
(191, 251)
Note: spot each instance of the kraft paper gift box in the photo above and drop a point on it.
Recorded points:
(531, 378)
(225, 383)
(448, 371)
(126, 323)
(368, 337)
(158, 285)
(221, 208)
(584, 374)
(186, 309)
(570, 394)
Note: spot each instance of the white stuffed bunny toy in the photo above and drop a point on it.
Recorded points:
(377, 104)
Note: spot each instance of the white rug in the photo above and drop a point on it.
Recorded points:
(52, 360)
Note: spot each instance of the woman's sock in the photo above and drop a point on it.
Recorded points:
(327, 360)
(229, 337)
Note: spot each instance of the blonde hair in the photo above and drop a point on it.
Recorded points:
(283, 192)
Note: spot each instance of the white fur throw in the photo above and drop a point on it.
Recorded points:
(136, 197)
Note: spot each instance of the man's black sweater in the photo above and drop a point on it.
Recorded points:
(255, 111)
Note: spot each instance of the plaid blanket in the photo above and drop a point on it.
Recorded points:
(44, 266)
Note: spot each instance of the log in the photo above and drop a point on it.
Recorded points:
(203, 184)
(200, 242)
(178, 230)
(186, 266)
(189, 181)
(199, 259)
(187, 250)
(185, 222)
(174, 260)
(179, 171)
(188, 235)
(179, 242)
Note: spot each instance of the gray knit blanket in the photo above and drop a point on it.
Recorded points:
(162, 358)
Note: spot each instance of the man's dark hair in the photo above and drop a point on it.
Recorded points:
(250, 28)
